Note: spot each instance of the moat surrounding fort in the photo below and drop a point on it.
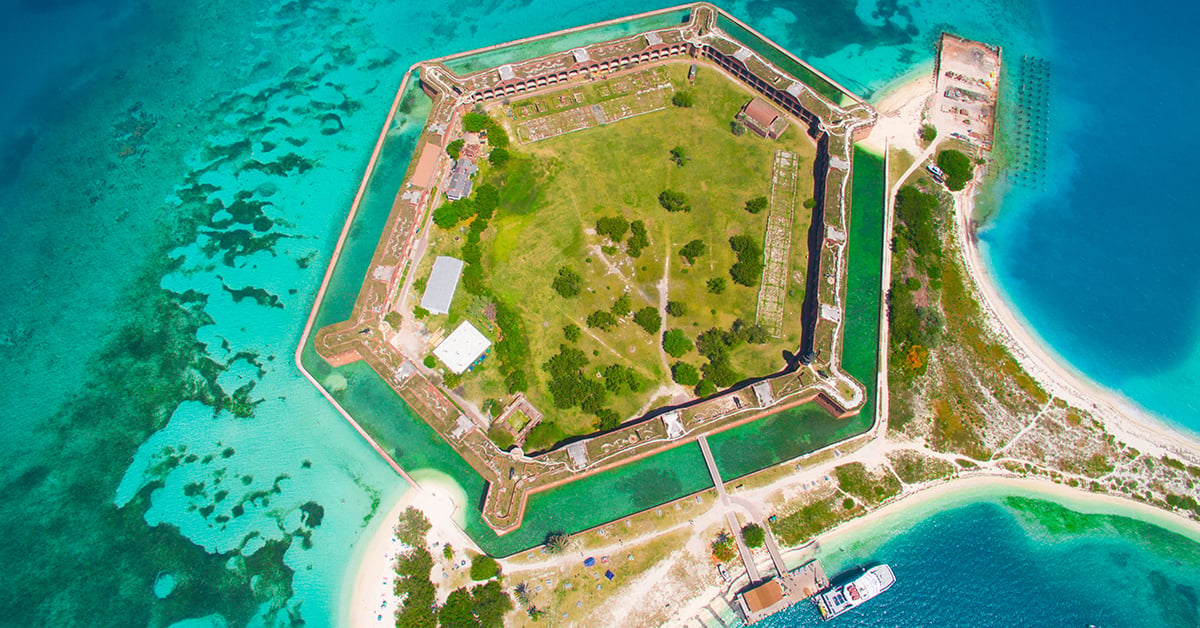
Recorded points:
(823, 313)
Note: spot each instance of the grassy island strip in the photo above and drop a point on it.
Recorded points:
(637, 260)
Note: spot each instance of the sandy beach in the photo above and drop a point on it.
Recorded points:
(368, 598)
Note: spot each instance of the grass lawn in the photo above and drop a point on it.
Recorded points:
(552, 193)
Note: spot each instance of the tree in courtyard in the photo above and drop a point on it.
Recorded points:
(637, 238)
(607, 420)
(475, 122)
(622, 306)
(679, 156)
(516, 382)
(676, 343)
(568, 283)
(601, 320)
(454, 149)
(676, 308)
(958, 169)
(612, 226)
(749, 267)
(753, 535)
(673, 201)
(757, 204)
(692, 250)
(487, 199)
(649, 319)
(716, 285)
(685, 374)
(496, 135)
(498, 157)
(683, 99)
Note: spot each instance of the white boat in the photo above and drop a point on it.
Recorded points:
(838, 600)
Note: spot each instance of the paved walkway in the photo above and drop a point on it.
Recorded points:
(755, 516)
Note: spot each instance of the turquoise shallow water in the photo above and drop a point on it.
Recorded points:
(172, 182)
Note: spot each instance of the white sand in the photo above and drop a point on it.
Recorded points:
(369, 600)
(901, 110)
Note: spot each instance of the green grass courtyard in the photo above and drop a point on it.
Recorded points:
(553, 192)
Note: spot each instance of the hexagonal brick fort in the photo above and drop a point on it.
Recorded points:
(832, 116)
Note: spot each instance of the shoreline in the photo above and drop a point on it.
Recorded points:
(1121, 416)
(947, 495)
(367, 597)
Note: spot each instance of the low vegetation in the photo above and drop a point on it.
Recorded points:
(869, 488)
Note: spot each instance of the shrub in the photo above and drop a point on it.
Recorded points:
(612, 226)
(676, 308)
(420, 312)
(568, 283)
(752, 534)
(958, 169)
(675, 343)
(685, 374)
(716, 285)
(810, 203)
(673, 201)
(928, 133)
(692, 250)
(394, 319)
(484, 567)
(757, 204)
(454, 149)
(737, 128)
(429, 361)
(649, 319)
(683, 99)
(705, 388)
(498, 157)
(571, 332)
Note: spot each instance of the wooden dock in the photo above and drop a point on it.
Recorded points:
(776, 594)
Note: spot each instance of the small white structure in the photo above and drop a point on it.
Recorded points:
(462, 347)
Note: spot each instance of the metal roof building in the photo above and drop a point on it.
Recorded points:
(443, 279)
(462, 347)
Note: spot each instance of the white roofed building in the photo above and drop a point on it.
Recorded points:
(462, 348)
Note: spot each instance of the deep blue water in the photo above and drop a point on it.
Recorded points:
(1103, 264)
(986, 565)
(172, 184)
